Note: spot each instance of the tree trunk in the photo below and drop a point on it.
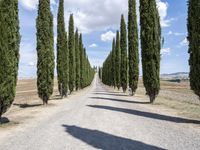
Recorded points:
(152, 98)
(45, 100)
(124, 90)
(132, 93)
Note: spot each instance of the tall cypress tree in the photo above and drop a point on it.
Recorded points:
(194, 44)
(124, 63)
(45, 51)
(133, 47)
(62, 52)
(9, 52)
(118, 61)
(150, 45)
(77, 54)
(71, 46)
(81, 61)
(113, 69)
(84, 68)
(66, 67)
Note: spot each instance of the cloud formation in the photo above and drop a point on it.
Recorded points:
(108, 36)
(93, 45)
(98, 15)
(162, 8)
(32, 4)
(165, 51)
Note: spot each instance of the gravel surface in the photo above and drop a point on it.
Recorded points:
(100, 118)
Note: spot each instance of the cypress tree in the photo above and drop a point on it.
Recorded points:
(77, 54)
(71, 46)
(84, 68)
(45, 51)
(133, 47)
(100, 73)
(81, 60)
(194, 44)
(65, 67)
(124, 63)
(9, 52)
(62, 52)
(150, 45)
(113, 64)
(118, 61)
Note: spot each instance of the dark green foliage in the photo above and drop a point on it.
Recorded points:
(86, 71)
(118, 61)
(45, 51)
(81, 61)
(150, 45)
(113, 65)
(194, 44)
(124, 63)
(133, 47)
(100, 72)
(71, 46)
(65, 66)
(9, 52)
(108, 72)
(77, 55)
(62, 52)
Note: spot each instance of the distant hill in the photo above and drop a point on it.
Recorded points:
(177, 75)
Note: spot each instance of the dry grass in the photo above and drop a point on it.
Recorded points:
(176, 96)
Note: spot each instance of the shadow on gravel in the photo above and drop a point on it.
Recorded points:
(4, 120)
(118, 100)
(98, 91)
(105, 141)
(27, 105)
(147, 114)
(113, 94)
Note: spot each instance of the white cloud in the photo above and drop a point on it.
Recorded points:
(32, 4)
(93, 45)
(96, 15)
(162, 8)
(29, 4)
(108, 36)
(183, 43)
(166, 51)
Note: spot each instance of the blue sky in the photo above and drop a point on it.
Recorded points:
(98, 20)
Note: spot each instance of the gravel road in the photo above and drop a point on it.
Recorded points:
(100, 118)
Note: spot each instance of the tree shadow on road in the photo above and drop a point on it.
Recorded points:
(103, 91)
(147, 114)
(4, 120)
(105, 141)
(112, 94)
(27, 105)
(119, 100)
